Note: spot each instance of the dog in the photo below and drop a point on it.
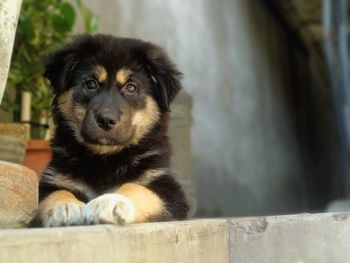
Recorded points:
(110, 150)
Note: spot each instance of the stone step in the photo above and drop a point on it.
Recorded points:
(295, 238)
(18, 194)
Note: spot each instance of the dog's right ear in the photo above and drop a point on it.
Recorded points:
(164, 74)
(59, 68)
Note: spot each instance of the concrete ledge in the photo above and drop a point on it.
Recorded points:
(157, 242)
(297, 238)
(300, 238)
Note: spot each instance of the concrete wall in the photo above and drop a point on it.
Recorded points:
(321, 238)
(246, 159)
(9, 11)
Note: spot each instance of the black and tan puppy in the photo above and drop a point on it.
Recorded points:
(110, 150)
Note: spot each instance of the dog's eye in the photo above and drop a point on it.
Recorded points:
(91, 84)
(130, 88)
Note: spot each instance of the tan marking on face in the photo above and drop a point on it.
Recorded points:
(65, 105)
(71, 112)
(101, 73)
(74, 114)
(122, 76)
(148, 205)
(123, 129)
(142, 120)
(145, 119)
(79, 112)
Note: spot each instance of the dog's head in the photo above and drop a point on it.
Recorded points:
(111, 91)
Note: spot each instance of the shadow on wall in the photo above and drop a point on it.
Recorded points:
(276, 141)
(256, 165)
(234, 193)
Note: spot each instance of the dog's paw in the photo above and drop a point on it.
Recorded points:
(64, 214)
(110, 209)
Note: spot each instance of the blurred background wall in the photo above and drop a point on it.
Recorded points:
(251, 148)
(262, 131)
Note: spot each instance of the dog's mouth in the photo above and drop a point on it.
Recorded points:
(106, 141)
(118, 136)
(105, 145)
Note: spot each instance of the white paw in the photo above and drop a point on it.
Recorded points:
(65, 214)
(110, 208)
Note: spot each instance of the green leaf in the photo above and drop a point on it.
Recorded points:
(26, 28)
(53, 47)
(15, 76)
(90, 21)
(63, 21)
(32, 69)
(69, 15)
(93, 25)
(8, 104)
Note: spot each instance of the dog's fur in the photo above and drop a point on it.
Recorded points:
(110, 159)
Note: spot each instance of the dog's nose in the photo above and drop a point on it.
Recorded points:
(106, 120)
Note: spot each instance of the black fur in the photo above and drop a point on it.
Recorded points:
(103, 172)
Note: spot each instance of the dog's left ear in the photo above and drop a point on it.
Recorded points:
(59, 67)
(164, 75)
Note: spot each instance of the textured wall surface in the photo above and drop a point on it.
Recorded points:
(9, 10)
(304, 238)
(18, 195)
(233, 55)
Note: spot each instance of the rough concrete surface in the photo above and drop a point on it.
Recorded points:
(9, 11)
(13, 142)
(303, 238)
(191, 241)
(18, 194)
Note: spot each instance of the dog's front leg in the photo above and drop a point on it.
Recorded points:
(60, 208)
(131, 203)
